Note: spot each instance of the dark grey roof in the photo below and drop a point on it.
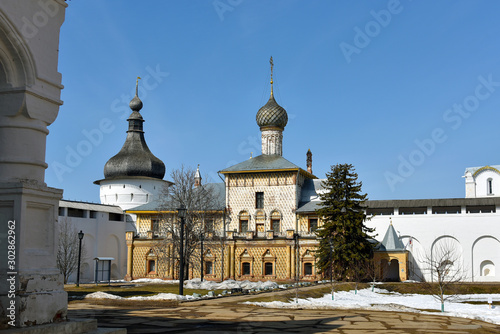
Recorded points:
(313, 205)
(309, 206)
(135, 158)
(90, 206)
(309, 197)
(432, 202)
(156, 205)
(391, 241)
(272, 115)
(262, 162)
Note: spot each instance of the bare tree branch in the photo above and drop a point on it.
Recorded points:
(444, 267)
(67, 251)
(203, 209)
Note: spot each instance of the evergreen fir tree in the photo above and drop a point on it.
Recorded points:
(344, 245)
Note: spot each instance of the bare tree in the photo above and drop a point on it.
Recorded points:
(445, 271)
(67, 251)
(374, 272)
(359, 272)
(203, 208)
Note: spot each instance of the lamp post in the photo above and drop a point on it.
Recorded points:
(182, 215)
(80, 237)
(201, 252)
(296, 237)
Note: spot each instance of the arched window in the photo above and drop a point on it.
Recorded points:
(268, 268)
(245, 268)
(489, 186)
(308, 268)
(276, 221)
(313, 224)
(244, 217)
(209, 268)
(487, 268)
(151, 267)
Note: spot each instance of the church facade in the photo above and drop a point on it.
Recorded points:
(267, 229)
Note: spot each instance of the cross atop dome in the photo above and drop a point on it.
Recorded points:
(135, 158)
(272, 119)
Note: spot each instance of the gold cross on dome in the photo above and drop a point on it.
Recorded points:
(272, 65)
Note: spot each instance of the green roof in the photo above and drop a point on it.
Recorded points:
(391, 241)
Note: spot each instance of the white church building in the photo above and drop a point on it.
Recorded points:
(133, 177)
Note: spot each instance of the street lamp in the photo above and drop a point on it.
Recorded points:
(80, 237)
(202, 237)
(181, 212)
(296, 237)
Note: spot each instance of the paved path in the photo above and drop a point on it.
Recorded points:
(226, 315)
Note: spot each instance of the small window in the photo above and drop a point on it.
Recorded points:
(275, 224)
(115, 217)
(209, 269)
(243, 225)
(268, 268)
(209, 225)
(259, 200)
(155, 226)
(61, 211)
(123, 186)
(245, 268)
(92, 214)
(489, 186)
(77, 213)
(151, 266)
(313, 224)
(308, 268)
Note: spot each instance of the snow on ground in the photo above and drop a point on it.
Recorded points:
(211, 285)
(191, 284)
(154, 281)
(389, 301)
(228, 285)
(160, 296)
(365, 299)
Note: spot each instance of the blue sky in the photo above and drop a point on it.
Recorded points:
(406, 91)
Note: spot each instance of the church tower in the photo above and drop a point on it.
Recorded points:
(134, 176)
(272, 119)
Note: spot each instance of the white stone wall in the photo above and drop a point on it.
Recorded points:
(130, 193)
(30, 88)
(103, 238)
(475, 235)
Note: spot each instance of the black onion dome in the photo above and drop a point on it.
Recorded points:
(135, 104)
(135, 158)
(272, 115)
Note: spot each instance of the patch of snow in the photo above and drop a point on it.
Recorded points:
(228, 285)
(155, 281)
(390, 301)
(102, 295)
